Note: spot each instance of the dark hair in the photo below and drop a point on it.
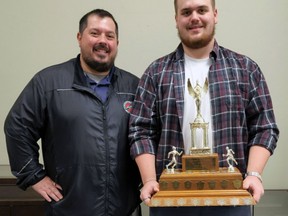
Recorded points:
(175, 5)
(98, 12)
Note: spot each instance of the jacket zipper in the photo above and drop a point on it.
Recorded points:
(106, 140)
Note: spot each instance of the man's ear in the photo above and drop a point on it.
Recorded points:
(79, 36)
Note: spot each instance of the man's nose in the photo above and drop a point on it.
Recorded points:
(102, 38)
(194, 16)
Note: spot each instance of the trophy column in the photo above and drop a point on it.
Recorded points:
(204, 128)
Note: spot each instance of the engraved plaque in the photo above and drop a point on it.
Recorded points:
(200, 162)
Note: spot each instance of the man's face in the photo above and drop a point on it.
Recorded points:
(98, 44)
(195, 21)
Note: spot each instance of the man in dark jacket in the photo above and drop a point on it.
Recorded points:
(80, 110)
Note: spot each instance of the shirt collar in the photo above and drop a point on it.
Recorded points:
(105, 81)
(213, 54)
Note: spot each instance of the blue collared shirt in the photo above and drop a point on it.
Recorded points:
(101, 88)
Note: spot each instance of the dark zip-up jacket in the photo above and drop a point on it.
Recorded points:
(84, 141)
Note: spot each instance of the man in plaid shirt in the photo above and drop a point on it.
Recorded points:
(238, 105)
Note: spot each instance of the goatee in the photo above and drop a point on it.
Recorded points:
(99, 66)
(197, 43)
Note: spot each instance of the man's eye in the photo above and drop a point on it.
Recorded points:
(202, 10)
(94, 33)
(186, 13)
(111, 36)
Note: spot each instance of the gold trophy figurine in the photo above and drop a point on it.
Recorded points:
(197, 93)
(199, 123)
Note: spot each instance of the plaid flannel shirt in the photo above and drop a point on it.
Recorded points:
(241, 106)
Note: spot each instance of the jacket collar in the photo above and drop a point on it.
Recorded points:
(80, 78)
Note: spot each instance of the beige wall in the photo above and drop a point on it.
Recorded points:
(36, 34)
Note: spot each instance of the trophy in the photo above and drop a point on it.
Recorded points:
(200, 182)
(200, 159)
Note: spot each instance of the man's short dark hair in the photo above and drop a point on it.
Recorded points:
(100, 13)
(175, 5)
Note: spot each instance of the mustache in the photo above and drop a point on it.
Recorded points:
(191, 26)
(101, 47)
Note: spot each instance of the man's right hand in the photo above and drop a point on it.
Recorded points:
(148, 190)
(48, 189)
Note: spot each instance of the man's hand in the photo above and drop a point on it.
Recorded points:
(148, 190)
(254, 186)
(48, 189)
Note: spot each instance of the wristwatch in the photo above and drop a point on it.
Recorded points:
(256, 174)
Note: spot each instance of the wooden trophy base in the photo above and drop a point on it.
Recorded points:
(201, 182)
(201, 198)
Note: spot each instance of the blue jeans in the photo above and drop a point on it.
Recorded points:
(201, 211)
